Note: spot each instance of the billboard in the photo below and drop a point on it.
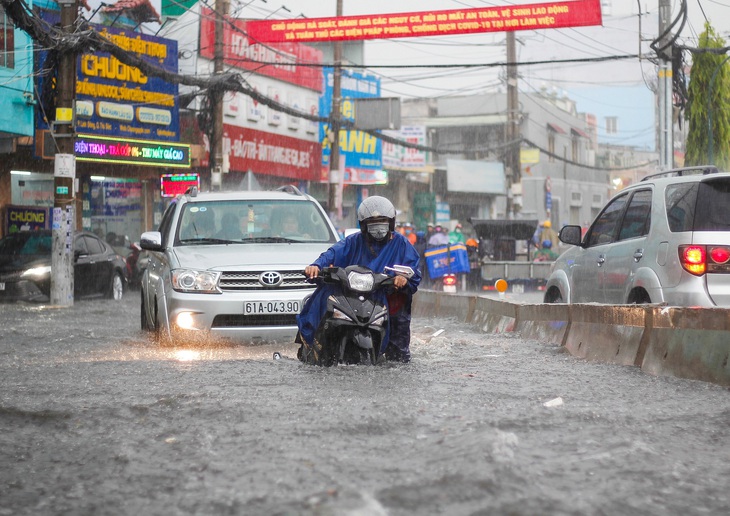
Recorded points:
(114, 99)
(551, 15)
(358, 149)
(278, 61)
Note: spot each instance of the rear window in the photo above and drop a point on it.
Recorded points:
(703, 206)
(713, 206)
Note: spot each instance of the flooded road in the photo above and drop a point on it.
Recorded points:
(97, 419)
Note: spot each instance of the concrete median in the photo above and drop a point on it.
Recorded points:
(684, 342)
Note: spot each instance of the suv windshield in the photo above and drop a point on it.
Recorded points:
(239, 221)
(703, 206)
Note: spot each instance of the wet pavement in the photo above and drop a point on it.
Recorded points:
(95, 418)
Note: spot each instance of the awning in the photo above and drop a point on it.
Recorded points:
(580, 133)
(556, 128)
(502, 228)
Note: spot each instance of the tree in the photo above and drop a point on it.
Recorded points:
(708, 107)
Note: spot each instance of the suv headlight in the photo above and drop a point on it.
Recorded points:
(190, 280)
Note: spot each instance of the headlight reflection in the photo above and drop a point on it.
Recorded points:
(186, 355)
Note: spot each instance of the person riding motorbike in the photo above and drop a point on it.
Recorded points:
(377, 245)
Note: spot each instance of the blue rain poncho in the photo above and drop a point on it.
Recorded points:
(354, 250)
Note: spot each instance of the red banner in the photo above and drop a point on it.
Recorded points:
(553, 15)
(244, 52)
(272, 154)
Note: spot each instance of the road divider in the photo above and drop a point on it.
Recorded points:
(689, 343)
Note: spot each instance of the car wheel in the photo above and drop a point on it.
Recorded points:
(143, 321)
(639, 297)
(553, 296)
(116, 287)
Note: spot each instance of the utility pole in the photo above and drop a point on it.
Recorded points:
(665, 90)
(62, 128)
(336, 171)
(216, 146)
(512, 158)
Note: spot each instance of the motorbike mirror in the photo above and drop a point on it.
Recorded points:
(400, 270)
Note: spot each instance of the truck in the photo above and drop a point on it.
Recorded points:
(499, 258)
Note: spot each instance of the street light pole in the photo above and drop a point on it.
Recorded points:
(711, 142)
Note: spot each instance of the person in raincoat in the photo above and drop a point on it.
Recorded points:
(377, 245)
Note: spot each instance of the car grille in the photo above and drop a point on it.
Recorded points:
(245, 281)
(236, 320)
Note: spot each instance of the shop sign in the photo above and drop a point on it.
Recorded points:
(24, 218)
(176, 184)
(358, 149)
(280, 61)
(271, 154)
(131, 152)
(116, 99)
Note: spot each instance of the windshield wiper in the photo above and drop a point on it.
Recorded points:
(264, 240)
(208, 241)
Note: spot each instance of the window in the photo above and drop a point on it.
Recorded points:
(680, 201)
(603, 230)
(611, 125)
(638, 216)
(7, 41)
(575, 148)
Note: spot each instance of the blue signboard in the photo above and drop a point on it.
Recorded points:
(359, 149)
(117, 100)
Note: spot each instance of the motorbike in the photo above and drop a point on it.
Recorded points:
(356, 320)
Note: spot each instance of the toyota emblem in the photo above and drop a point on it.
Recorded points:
(270, 278)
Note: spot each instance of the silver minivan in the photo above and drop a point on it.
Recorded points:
(230, 264)
(665, 239)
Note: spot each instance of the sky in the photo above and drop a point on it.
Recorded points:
(623, 32)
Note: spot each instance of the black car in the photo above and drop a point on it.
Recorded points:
(25, 267)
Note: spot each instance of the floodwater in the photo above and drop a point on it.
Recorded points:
(97, 419)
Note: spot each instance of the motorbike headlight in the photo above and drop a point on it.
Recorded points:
(189, 280)
(338, 314)
(37, 272)
(360, 282)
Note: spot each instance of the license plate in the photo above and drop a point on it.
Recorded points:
(518, 289)
(271, 307)
(2, 285)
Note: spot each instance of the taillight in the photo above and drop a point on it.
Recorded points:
(449, 280)
(720, 255)
(693, 258)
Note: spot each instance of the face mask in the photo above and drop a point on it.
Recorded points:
(378, 231)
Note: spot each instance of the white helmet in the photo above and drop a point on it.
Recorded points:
(373, 208)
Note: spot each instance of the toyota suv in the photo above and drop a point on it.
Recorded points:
(665, 239)
(230, 264)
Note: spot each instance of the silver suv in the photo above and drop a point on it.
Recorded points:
(665, 239)
(230, 264)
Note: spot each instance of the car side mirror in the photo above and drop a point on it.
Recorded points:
(571, 235)
(151, 241)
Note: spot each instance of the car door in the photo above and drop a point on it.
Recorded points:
(588, 272)
(626, 254)
(100, 266)
(82, 268)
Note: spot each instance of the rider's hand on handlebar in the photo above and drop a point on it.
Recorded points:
(311, 271)
(400, 282)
